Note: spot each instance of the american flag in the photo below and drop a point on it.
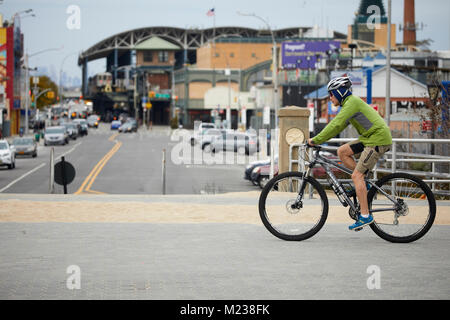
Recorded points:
(210, 12)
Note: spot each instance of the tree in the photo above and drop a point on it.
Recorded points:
(44, 84)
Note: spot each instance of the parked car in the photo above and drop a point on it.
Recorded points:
(93, 121)
(25, 146)
(115, 124)
(208, 136)
(261, 174)
(236, 141)
(83, 126)
(56, 135)
(203, 127)
(72, 130)
(7, 155)
(250, 167)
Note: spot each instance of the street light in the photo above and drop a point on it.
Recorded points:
(60, 76)
(275, 84)
(27, 80)
(274, 63)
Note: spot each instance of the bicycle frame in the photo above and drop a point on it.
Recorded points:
(326, 163)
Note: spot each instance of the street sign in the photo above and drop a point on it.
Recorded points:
(148, 105)
(51, 95)
(64, 173)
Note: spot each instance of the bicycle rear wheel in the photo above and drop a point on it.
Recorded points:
(281, 216)
(415, 215)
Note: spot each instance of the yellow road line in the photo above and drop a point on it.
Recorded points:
(110, 154)
(98, 167)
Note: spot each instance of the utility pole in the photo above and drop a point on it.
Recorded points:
(27, 89)
(136, 112)
(388, 69)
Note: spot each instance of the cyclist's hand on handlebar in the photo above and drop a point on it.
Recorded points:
(310, 143)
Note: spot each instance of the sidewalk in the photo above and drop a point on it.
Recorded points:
(239, 207)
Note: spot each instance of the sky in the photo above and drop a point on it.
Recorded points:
(54, 31)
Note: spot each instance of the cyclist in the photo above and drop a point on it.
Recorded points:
(375, 139)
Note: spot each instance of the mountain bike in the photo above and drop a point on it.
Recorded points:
(294, 206)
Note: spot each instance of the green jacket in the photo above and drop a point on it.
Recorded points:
(369, 124)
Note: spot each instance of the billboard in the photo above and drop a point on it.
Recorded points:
(303, 54)
(356, 77)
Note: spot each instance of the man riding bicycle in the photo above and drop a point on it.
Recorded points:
(375, 139)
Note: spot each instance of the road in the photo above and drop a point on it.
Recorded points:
(112, 163)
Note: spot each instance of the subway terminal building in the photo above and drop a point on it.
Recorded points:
(159, 73)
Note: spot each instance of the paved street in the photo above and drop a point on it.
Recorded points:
(130, 163)
(215, 261)
(196, 260)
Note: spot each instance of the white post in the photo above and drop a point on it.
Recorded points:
(228, 113)
(52, 171)
(164, 171)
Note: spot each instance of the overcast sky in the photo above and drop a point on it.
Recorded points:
(103, 18)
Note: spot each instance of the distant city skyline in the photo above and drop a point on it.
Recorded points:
(55, 25)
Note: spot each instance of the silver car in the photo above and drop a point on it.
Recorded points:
(7, 156)
(25, 146)
(236, 141)
(56, 135)
(72, 130)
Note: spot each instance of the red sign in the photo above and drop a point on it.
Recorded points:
(426, 125)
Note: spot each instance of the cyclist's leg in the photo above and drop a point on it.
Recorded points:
(366, 163)
(361, 190)
(346, 152)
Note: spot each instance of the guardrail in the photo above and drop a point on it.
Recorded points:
(394, 160)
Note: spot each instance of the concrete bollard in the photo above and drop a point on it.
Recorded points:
(294, 128)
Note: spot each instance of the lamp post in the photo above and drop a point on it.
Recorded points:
(27, 80)
(275, 87)
(388, 69)
(352, 46)
(274, 64)
(60, 77)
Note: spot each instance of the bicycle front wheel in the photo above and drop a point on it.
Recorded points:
(414, 214)
(287, 218)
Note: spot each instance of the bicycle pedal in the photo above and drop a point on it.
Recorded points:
(358, 229)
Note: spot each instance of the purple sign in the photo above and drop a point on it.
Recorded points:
(302, 54)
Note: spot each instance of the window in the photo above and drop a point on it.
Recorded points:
(148, 56)
(420, 63)
(432, 63)
(163, 56)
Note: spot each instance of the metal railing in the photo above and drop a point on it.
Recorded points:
(436, 178)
